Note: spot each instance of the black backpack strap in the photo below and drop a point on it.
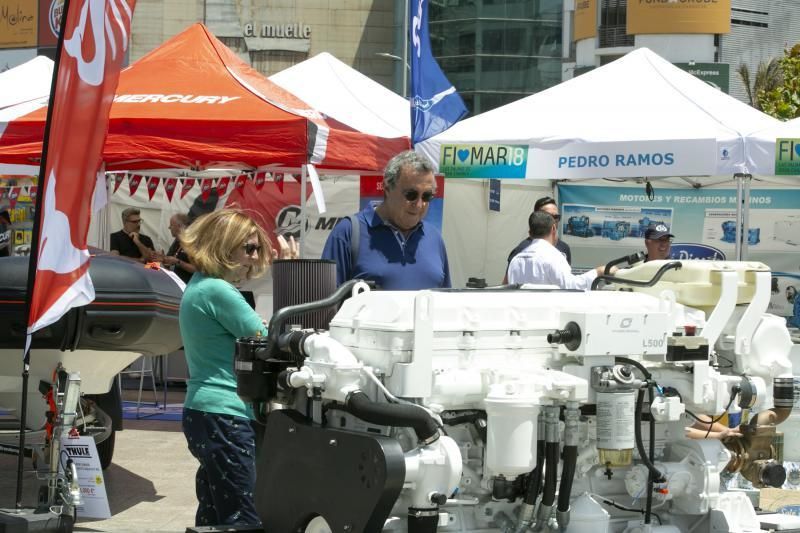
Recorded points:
(355, 241)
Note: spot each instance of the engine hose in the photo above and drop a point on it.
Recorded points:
(649, 505)
(570, 455)
(655, 474)
(672, 265)
(550, 473)
(393, 414)
(630, 259)
(535, 481)
(282, 316)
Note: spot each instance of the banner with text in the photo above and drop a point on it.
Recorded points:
(603, 223)
(678, 16)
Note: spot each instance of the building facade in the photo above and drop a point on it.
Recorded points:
(272, 35)
(710, 38)
(498, 51)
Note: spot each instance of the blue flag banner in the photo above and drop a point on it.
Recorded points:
(435, 104)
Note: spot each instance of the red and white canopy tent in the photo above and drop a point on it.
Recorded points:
(192, 103)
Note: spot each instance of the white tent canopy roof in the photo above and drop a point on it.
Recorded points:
(26, 82)
(637, 116)
(343, 93)
(761, 149)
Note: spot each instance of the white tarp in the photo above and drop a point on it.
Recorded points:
(26, 82)
(762, 152)
(343, 93)
(637, 116)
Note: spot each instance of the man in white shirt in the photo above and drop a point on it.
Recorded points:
(541, 263)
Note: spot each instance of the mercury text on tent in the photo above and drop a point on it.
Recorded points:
(173, 99)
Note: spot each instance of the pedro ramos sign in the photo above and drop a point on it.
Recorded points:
(483, 160)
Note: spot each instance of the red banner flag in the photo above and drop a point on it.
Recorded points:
(169, 187)
(96, 34)
(240, 181)
(205, 188)
(118, 181)
(188, 183)
(277, 178)
(222, 186)
(133, 183)
(260, 178)
(32, 192)
(13, 194)
(152, 186)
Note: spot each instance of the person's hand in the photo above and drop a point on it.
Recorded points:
(135, 237)
(725, 433)
(170, 260)
(288, 250)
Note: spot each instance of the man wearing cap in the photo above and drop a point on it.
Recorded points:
(657, 240)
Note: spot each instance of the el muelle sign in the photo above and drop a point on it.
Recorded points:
(296, 30)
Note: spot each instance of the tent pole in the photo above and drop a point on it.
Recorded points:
(739, 199)
(746, 179)
(303, 210)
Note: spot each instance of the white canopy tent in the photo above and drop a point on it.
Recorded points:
(343, 93)
(26, 82)
(638, 116)
(762, 148)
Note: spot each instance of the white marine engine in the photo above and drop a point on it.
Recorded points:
(532, 409)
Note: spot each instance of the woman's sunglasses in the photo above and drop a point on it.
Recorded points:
(249, 248)
(412, 195)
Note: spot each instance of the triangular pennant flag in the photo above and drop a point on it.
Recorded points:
(188, 183)
(169, 187)
(296, 177)
(240, 181)
(260, 178)
(278, 178)
(133, 183)
(13, 194)
(118, 181)
(205, 188)
(222, 186)
(152, 186)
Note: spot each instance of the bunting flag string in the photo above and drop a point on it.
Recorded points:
(221, 185)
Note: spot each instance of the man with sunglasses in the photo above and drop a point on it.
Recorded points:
(128, 241)
(392, 245)
(657, 241)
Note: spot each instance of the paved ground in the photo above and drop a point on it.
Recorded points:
(150, 484)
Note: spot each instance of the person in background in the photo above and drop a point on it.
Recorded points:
(541, 263)
(128, 241)
(5, 233)
(394, 247)
(225, 247)
(548, 205)
(657, 241)
(176, 258)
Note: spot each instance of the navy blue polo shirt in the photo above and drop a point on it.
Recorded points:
(394, 262)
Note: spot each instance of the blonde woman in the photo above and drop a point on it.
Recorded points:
(226, 247)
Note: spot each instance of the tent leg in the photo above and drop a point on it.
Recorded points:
(739, 215)
(303, 210)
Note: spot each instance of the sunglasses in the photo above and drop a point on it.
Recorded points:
(249, 248)
(556, 217)
(412, 195)
(137, 221)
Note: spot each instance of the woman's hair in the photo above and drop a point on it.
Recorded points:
(212, 239)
